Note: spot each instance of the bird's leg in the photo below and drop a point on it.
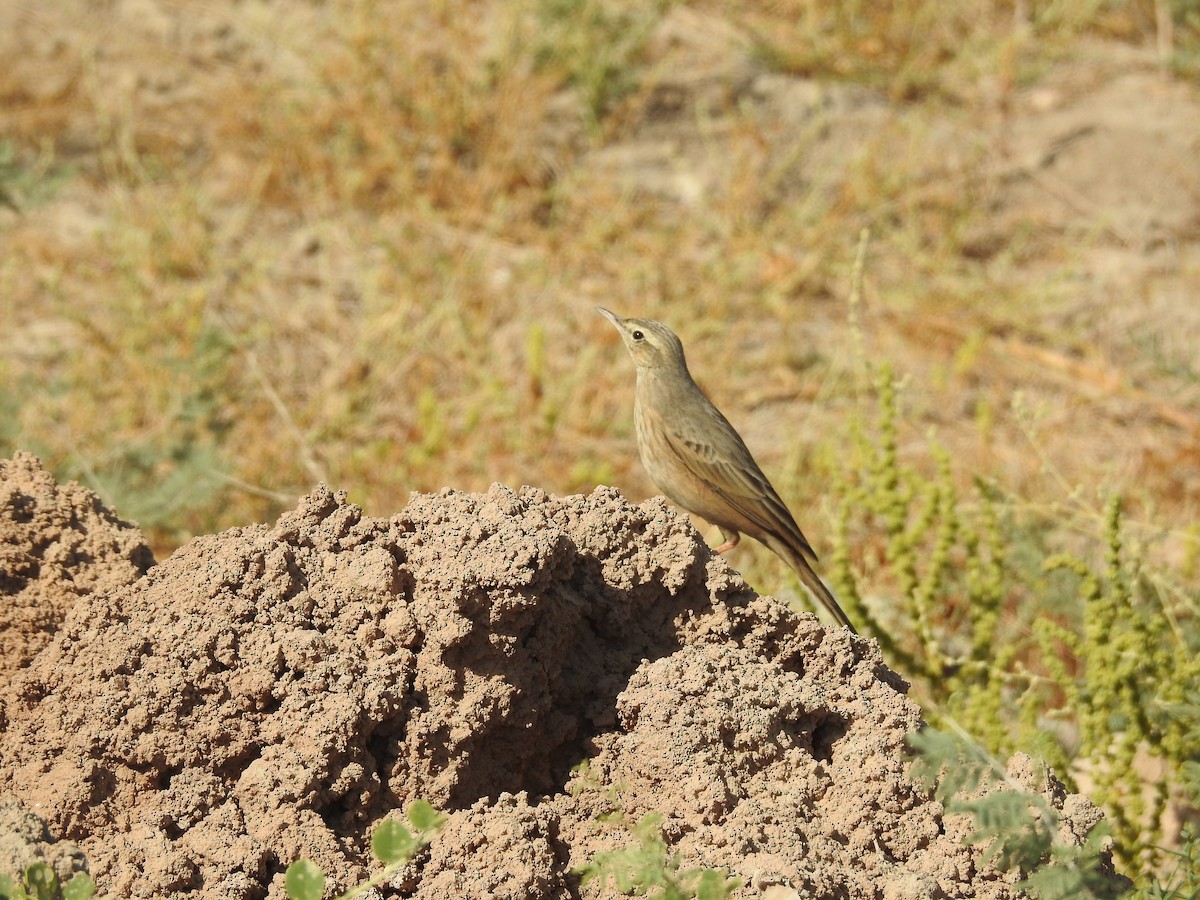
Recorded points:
(731, 540)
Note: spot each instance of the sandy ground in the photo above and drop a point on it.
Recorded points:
(276, 691)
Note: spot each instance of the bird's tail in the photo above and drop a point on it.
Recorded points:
(816, 587)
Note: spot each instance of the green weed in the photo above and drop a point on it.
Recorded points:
(40, 883)
(1182, 881)
(1076, 657)
(392, 844)
(595, 43)
(22, 184)
(1019, 829)
(648, 868)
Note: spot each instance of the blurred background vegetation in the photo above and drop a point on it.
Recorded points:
(938, 261)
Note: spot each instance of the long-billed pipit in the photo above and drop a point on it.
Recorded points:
(696, 458)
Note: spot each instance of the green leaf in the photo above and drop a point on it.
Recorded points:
(648, 829)
(304, 880)
(9, 889)
(392, 843)
(81, 887)
(41, 882)
(712, 885)
(424, 817)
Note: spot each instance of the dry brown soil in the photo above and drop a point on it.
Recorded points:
(276, 691)
(273, 692)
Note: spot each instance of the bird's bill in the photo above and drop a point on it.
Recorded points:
(610, 315)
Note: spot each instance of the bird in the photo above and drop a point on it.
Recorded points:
(698, 460)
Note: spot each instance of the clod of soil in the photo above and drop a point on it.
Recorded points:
(25, 841)
(274, 692)
(58, 544)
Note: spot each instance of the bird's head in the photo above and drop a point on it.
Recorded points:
(651, 344)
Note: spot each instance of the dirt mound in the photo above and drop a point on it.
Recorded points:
(57, 544)
(25, 840)
(273, 692)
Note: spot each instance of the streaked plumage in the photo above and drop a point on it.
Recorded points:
(699, 461)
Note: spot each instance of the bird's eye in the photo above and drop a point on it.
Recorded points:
(638, 336)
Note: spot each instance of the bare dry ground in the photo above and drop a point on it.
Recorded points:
(273, 692)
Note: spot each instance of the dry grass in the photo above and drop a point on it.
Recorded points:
(373, 261)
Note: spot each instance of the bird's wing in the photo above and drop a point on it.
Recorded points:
(714, 452)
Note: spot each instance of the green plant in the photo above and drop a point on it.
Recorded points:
(1076, 657)
(174, 470)
(24, 185)
(932, 544)
(595, 44)
(1183, 881)
(1133, 692)
(392, 843)
(40, 883)
(649, 866)
(1020, 828)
